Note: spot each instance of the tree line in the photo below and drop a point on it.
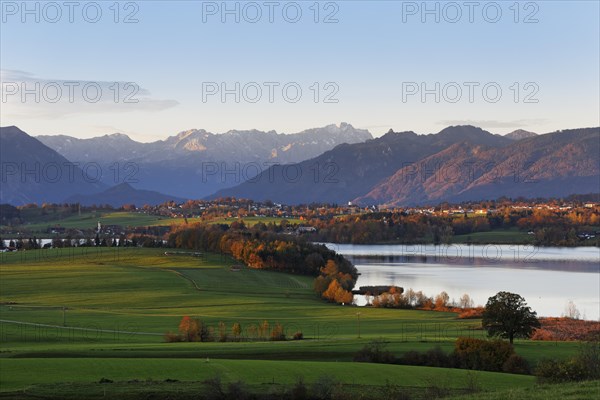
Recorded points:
(195, 330)
(263, 249)
(549, 227)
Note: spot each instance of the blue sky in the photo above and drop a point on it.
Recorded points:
(374, 63)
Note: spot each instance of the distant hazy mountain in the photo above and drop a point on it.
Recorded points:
(102, 149)
(122, 194)
(520, 134)
(31, 172)
(195, 163)
(350, 171)
(458, 163)
(242, 146)
(555, 164)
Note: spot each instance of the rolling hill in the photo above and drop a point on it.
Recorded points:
(121, 194)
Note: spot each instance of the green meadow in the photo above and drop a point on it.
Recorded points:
(70, 317)
(564, 391)
(497, 236)
(89, 220)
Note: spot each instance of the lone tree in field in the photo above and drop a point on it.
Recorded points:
(508, 316)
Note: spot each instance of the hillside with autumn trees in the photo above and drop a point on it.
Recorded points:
(262, 249)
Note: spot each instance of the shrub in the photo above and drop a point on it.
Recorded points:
(299, 390)
(298, 335)
(486, 355)
(470, 313)
(375, 352)
(237, 391)
(586, 365)
(542, 334)
(432, 358)
(323, 387)
(437, 358)
(546, 370)
(436, 387)
(516, 365)
(589, 356)
(411, 358)
(555, 371)
(477, 354)
(171, 337)
(214, 388)
(394, 392)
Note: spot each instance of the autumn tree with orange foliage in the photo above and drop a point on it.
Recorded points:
(189, 329)
(441, 301)
(236, 331)
(333, 285)
(193, 330)
(336, 293)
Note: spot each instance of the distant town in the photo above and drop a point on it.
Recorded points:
(569, 222)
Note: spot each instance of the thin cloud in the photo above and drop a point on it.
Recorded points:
(25, 95)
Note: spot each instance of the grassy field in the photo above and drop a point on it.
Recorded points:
(498, 236)
(89, 220)
(250, 371)
(565, 391)
(102, 312)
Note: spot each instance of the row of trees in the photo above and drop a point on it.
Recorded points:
(551, 227)
(21, 244)
(127, 241)
(262, 249)
(396, 298)
(196, 330)
(122, 241)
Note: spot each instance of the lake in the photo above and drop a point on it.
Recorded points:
(547, 277)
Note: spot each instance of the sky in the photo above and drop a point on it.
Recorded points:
(151, 69)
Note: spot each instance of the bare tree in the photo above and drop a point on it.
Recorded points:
(571, 310)
(466, 301)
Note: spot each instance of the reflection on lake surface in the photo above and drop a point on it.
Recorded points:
(547, 277)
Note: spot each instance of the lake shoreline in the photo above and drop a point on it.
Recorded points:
(548, 277)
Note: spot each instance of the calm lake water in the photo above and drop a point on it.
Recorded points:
(547, 277)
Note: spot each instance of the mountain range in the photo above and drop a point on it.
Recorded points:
(458, 163)
(196, 163)
(34, 173)
(556, 164)
(335, 164)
